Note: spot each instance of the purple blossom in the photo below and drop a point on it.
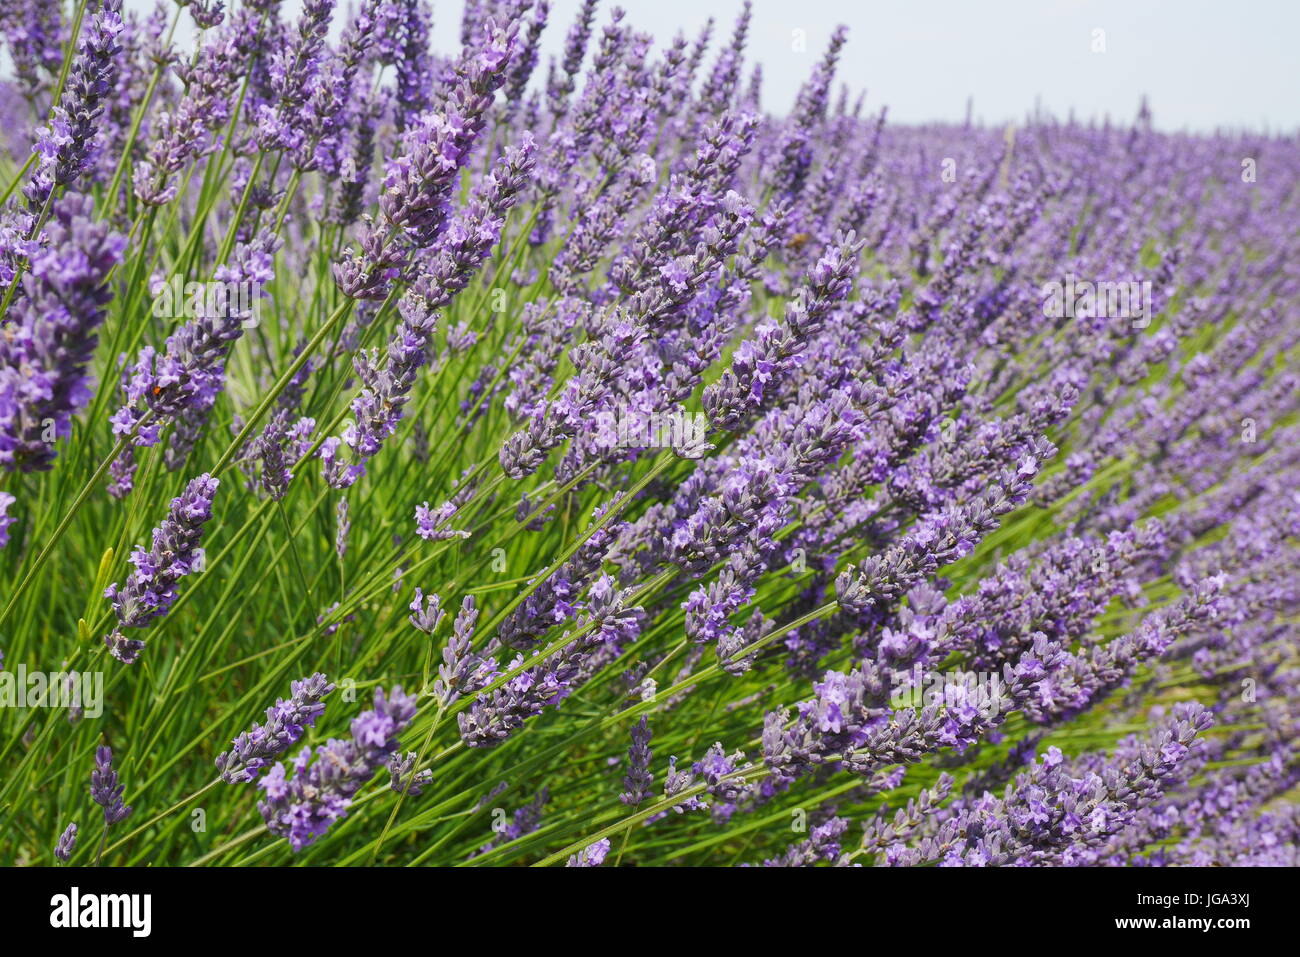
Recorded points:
(105, 790)
(286, 722)
(403, 778)
(66, 145)
(301, 807)
(150, 589)
(5, 518)
(45, 353)
(639, 780)
(67, 843)
(426, 616)
(593, 855)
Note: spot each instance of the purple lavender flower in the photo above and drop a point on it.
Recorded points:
(403, 778)
(207, 13)
(281, 444)
(342, 527)
(5, 518)
(355, 168)
(1056, 812)
(150, 589)
(593, 855)
(822, 844)
(426, 616)
(35, 35)
(525, 820)
(45, 353)
(184, 381)
(431, 523)
(525, 61)
(762, 362)
(187, 131)
(447, 269)
(67, 843)
(302, 807)
(789, 174)
(675, 782)
(462, 671)
(722, 85)
(418, 182)
(414, 68)
(286, 722)
(294, 69)
(639, 780)
(494, 717)
(65, 146)
(104, 789)
(561, 87)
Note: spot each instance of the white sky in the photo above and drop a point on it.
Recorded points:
(1202, 63)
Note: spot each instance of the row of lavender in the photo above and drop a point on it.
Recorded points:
(944, 477)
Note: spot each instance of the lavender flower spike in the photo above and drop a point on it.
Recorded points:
(593, 855)
(184, 381)
(419, 182)
(104, 789)
(67, 843)
(150, 589)
(462, 671)
(426, 617)
(285, 723)
(402, 776)
(303, 807)
(343, 526)
(46, 352)
(5, 519)
(448, 268)
(65, 146)
(637, 783)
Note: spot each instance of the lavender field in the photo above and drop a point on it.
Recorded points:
(417, 456)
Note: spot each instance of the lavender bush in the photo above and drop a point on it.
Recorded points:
(721, 487)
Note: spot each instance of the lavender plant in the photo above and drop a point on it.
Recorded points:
(927, 486)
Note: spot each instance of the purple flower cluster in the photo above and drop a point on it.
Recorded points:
(5, 518)
(593, 855)
(150, 589)
(66, 145)
(67, 843)
(858, 459)
(607, 625)
(1058, 810)
(639, 780)
(182, 383)
(302, 807)
(443, 270)
(45, 352)
(105, 789)
(286, 721)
